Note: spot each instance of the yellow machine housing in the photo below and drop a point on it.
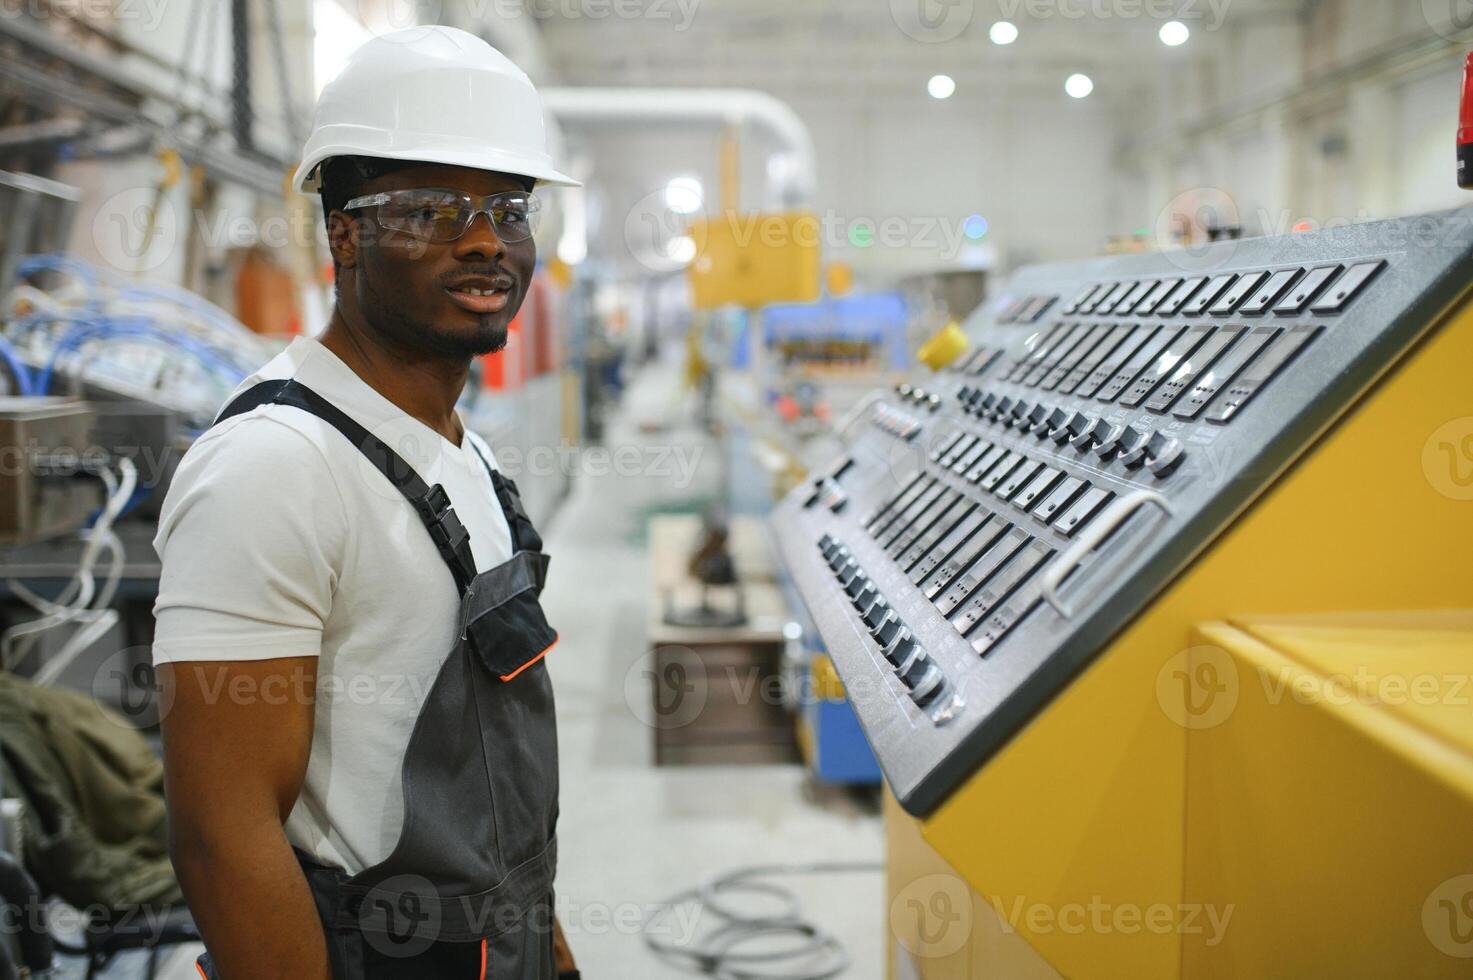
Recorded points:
(1223, 756)
(752, 259)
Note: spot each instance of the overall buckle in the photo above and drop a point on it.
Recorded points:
(441, 521)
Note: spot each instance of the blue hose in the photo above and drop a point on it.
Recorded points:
(185, 300)
(141, 330)
(91, 322)
(28, 323)
(58, 262)
(23, 384)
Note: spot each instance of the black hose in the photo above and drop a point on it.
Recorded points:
(724, 952)
(23, 915)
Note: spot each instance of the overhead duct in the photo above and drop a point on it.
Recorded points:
(718, 106)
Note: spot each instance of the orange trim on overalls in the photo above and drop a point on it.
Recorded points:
(507, 677)
(205, 976)
(483, 959)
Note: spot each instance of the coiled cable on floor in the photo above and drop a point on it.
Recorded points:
(722, 951)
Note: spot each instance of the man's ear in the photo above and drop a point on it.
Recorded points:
(343, 239)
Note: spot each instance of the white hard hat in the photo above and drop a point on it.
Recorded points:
(435, 94)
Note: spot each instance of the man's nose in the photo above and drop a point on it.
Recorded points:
(480, 240)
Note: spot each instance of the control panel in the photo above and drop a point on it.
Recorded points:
(991, 527)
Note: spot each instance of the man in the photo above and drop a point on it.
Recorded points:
(358, 730)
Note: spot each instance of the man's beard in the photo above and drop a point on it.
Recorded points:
(488, 337)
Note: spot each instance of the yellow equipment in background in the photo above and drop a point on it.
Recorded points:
(752, 259)
(944, 347)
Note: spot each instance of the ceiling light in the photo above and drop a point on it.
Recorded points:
(684, 195)
(941, 86)
(1174, 33)
(1079, 86)
(1003, 32)
(681, 250)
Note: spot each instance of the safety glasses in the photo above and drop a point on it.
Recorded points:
(433, 214)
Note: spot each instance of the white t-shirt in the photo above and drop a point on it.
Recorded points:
(279, 539)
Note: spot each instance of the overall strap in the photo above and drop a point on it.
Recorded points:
(524, 536)
(431, 503)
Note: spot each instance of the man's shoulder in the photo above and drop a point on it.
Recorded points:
(261, 460)
(272, 435)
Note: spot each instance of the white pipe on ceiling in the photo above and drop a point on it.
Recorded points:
(738, 107)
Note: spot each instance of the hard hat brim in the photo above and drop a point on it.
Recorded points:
(445, 151)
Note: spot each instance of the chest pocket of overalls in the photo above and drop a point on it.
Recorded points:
(502, 617)
(508, 635)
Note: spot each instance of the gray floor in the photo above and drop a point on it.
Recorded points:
(632, 834)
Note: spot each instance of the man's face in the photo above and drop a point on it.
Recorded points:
(417, 293)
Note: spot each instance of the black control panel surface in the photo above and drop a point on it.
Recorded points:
(991, 527)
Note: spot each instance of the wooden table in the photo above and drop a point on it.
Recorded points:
(715, 691)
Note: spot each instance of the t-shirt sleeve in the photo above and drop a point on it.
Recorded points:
(251, 538)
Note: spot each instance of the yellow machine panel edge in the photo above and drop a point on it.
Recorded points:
(1074, 835)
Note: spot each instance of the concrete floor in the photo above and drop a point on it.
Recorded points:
(632, 834)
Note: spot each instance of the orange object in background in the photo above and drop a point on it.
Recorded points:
(1465, 128)
(266, 296)
(503, 371)
(838, 279)
(532, 346)
(544, 340)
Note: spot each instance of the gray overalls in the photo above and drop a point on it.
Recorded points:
(467, 891)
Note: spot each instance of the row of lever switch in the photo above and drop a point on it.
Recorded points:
(922, 677)
(900, 424)
(1161, 453)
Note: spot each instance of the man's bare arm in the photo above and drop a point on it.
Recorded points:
(236, 740)
(562, 954)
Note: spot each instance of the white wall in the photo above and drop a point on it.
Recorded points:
(1330, 110)
(1034, 169)
(1343, 111)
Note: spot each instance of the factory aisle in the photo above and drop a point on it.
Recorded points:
(632, 834)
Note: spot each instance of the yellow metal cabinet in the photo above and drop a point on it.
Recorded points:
(1086, 811)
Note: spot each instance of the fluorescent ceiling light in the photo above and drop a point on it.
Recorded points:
(941, 86)
(684, 195)
(1174, 33)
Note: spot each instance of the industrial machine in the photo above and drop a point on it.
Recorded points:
(41, 494)
(1034, 568)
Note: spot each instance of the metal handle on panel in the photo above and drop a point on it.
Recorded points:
(857, 412)
(1096, 532)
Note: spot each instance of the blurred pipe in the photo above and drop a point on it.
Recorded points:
(242, 118)
(721, 106)
(46, 131)
(156, 109)
(731, 173)
(220, 161)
